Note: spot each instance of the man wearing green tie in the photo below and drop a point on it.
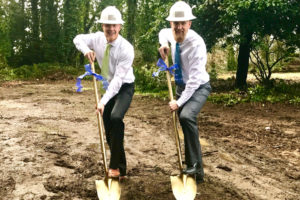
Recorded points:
(115, 56)
(191, 79)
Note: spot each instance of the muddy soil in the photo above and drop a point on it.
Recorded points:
(49, 147)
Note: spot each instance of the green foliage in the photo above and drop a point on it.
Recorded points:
(209, 23)
(145, 82)
(151, 19)
(7, 74)
(163, 94)
(39, 31)
(213, 73)
(39, 71)
(240, 21)
(266, 55)
(231, 59)
(4, 35)
(227, 99)
(50, 31)
(281, 91)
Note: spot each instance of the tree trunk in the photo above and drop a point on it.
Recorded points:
(243, 61)
(23, 23)
(35, 42)
(130, 20)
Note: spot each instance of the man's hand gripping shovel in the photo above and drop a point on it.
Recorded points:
(183, 186)
(108, 188)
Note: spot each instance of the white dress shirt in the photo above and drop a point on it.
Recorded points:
(193, 60)
(120, 59)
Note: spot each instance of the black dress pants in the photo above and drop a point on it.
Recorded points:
(113, 115)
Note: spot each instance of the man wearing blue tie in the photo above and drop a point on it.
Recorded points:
(115, 57)
(191, 79)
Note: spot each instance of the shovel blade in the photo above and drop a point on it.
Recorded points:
(108, 189)
(184, 187)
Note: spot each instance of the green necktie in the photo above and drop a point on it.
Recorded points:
(105, 62)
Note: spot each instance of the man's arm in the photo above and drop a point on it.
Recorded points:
(164, 36)
(85, 44)
(197, 61)
(124, 64)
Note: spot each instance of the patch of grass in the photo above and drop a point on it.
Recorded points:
(164, 95)
(223, 90)
(40, 71)
(281, 91)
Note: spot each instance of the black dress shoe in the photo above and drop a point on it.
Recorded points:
(199, 178)
(193, 170)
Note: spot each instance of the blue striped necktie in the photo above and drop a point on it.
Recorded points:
(178, 72)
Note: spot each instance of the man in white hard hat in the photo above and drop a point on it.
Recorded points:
(191, 79)
(115, 57)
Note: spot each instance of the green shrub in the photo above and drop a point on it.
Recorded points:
(145, 82)
(7, 74)
(231, 60)
(213, 72)
(52, 71)
(281, 91)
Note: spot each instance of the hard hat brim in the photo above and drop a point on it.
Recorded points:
(111, 22)
(180, 19)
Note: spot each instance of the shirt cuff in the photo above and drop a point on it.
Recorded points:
(179, 102)
(165, 45)
(86, 51)
(104, 100)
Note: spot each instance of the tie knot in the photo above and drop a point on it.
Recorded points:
(177, 47)
(108, 46)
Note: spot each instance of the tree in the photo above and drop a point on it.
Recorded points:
(131, 12)
(241, 20)
(231, 60)
(208, 22)
(50, 31)
(266, 55)
(34, 26)
(18, 27)
(150, 19)
(5, 45)
(71, 27)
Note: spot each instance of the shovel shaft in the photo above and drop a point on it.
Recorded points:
(174, 117)
(100, 122)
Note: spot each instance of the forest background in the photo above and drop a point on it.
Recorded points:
(244, 38)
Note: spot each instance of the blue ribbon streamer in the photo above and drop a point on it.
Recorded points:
(164, 67)
(90, 73)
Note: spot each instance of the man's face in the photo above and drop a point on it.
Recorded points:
(111, 31)
(180, 29)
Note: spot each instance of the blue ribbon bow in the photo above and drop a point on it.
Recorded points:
(90, 73)
(164, 67)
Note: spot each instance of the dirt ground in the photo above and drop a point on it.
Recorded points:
(49, 147)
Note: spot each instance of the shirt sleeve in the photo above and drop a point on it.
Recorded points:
(85, 42)
(197, 61)
(164, 36)
(124, 64)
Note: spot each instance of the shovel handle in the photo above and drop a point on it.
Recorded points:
(169, 81)
(100, 121)
(174, 117)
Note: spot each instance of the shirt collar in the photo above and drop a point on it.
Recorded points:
(115, 42)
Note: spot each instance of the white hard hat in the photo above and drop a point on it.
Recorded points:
(180, 11)
(111, 15)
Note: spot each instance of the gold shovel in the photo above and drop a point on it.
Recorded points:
(183, 186)
(109, 188)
